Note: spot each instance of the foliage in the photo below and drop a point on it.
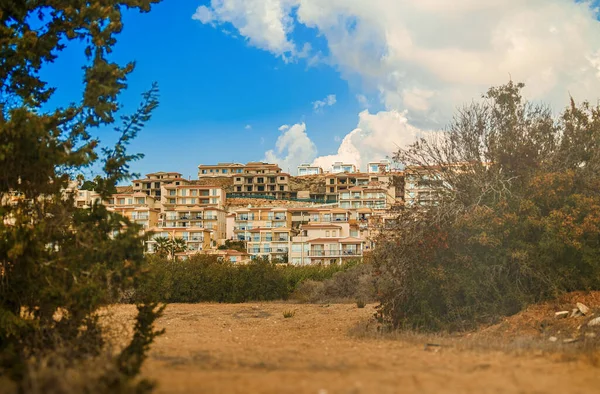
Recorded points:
(289, 313)
(240, 246)
(356, 281)
(167, 247)
(206, 278)
(516, 222)
(60, 264)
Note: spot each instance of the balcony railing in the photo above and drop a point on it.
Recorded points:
(334, 253)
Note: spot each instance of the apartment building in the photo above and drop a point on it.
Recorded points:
(266, 231)
(307, 169)
(339, 167)
(371, 196)
(189, 209)
(325, 243)
(220, 169)
(379, 167)
(86, 198)
(234, 169)
(271, 184)
(422, 186)
(152, 184)
(138, 207)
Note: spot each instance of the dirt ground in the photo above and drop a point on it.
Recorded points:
(252, 348)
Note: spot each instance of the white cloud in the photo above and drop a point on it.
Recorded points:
(326, 102)
(362, 100)
(248, 127)
(293, 147)
(266, 24)
(424, 58)
(376, 136)
(283, 127)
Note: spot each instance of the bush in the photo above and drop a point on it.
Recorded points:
(207, 279)
(355, 282)
(519, 228)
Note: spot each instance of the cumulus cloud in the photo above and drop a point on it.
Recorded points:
(266, 24)
(376, 136)
(424, 58)
(248, 127)
(326, 102)
(362, 100)
(293, 147)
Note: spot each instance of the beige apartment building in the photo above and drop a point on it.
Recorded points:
(194, 213)
(266, 231)
(86, 198)
(138, 207)
(371, 196)
(271, 184)
(325, 243)
(152, 184)
(423, 186)
(233, 169)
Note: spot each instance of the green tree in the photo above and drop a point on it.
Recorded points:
(162, 246)
(56, 260)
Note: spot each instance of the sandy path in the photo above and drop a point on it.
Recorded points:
(251, 348)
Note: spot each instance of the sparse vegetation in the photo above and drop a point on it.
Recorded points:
(289, 314)
(516, 222)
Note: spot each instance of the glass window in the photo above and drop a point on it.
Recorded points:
(327, 233)
(130, 201)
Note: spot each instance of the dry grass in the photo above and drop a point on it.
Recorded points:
(242, 348)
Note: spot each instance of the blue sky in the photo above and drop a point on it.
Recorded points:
(211, 87)
(263, 63)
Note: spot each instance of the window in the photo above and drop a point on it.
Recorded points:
(331, 181)
(183, 192)
(192, 201)
(354, 233)
(156, 185)
(204, 171)
(111, 201)
(224, 171)
(334, 233)
(327, 233)
(171, 201)
(176, 183)
(213, 192)
(137, 185)
(121, 201)
(140, 200)
(184, 201)
(238, 179)
(282, 178)
(130, 201)
(281, 188)
(194, 193)
(239, 189)
(331, 190)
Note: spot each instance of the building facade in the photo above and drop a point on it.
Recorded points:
(266, 231)
(152, 184)
(307, 169)
(339, 167)
(138, 207)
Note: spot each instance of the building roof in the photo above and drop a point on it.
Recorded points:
(351, 240)
(324, 240)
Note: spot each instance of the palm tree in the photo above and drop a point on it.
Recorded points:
(178, 245)
(162, 247)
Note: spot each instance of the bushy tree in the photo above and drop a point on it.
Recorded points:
(516, 222)
(60, 264)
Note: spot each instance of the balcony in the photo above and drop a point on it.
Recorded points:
(140, 217)
(334, 253)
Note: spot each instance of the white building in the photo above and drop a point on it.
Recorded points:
(339, 167)
(307, 169)
(376, 167)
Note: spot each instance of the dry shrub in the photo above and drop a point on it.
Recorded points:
(355, 283)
